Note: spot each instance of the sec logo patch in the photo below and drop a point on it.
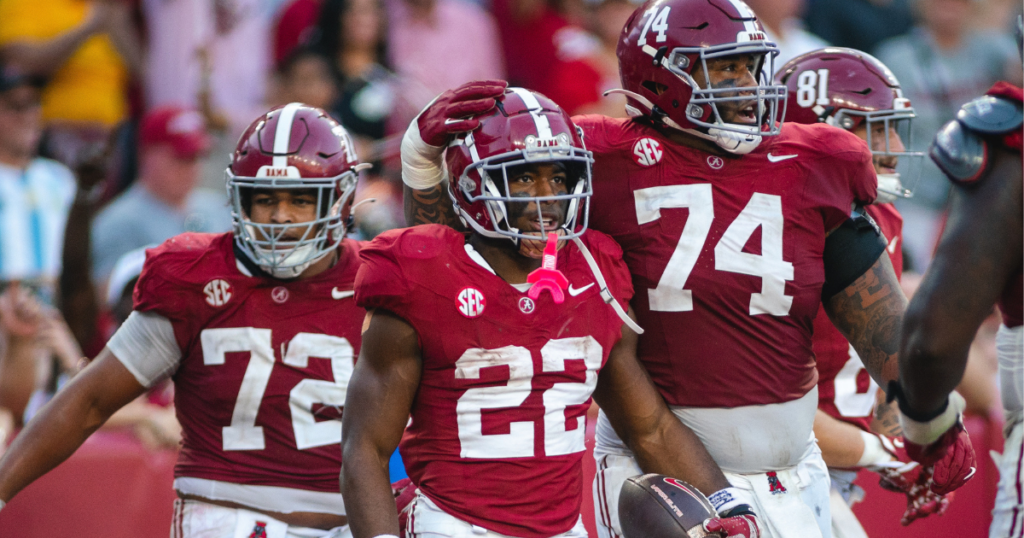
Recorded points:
(218, 292)
(647, 152)
(471, 302)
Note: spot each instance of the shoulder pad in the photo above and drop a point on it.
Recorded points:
(959, 152)
(990, 115)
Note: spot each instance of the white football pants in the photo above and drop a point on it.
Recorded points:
(196, 519)
(843, 495)
(791, 503)
(426, 520)
(1008, 514)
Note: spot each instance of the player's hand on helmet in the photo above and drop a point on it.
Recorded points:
(455, 110)
(951, 457)
(740, 521)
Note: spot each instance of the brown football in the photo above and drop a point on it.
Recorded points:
(659, 506)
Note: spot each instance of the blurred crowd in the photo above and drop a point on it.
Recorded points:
(116, 118)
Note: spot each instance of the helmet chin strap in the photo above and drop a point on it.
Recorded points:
(731, 141)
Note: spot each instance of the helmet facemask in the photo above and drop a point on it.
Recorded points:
(274, 247)
(494, 173)
(885, 123)
(766, 96)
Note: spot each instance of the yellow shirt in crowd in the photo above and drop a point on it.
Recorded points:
(90, 86)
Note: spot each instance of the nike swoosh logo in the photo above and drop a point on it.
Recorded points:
(338, 294)
(778, 158)
(892, 245)
(577, 291)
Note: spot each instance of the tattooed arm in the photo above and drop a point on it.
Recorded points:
(869, 313)
(430, 206)
(886, 420)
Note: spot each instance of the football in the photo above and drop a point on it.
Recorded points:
(659, 506)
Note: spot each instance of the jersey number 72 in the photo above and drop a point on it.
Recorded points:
(243, 433)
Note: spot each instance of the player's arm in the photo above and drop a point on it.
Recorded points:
(431, 205)
(662, 444)
(377, 406)
(67, 421)
(452, 112)
(978, 252)
(869, 310)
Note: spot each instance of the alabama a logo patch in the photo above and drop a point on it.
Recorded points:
(774, 485)
(218, 292)
(259, 530)
(526, 305)
(470, 302)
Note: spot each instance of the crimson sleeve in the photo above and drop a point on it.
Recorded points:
(381, 281)
(844, 174)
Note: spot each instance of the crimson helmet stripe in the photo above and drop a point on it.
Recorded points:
(283, 134)
(533, 105)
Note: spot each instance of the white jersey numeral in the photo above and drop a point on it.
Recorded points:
(849, 401)
(763, 210)
(308, 432)
(670, 296)
(657, 20)
(519, 441)
(243, 433)
(812, 88)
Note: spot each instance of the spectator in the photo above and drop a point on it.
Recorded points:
(35, 193)
(164, 201)
(781, 21)
(293, 27)
(858, 24)
(150, 416)
(439, 44)
(212, 56)
(352, 35)
(88, 50)
(528, 39)
(941, 64)
(20, 316)
(588, 66)
(305, 77)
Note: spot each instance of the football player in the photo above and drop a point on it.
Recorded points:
(977, 264)
(861, 95)
(495, 345)
(258, 330)
(735, 229)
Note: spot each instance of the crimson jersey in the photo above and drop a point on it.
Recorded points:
(1011, 304)
(726, 252)
(265, 363)
(845, 389)
(497, 428)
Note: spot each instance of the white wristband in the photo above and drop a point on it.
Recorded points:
(875, 453)
(385, 536)
(926, 433)
(728, 498)
(422, 167)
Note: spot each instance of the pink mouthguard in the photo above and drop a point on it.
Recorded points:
(547, 276)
